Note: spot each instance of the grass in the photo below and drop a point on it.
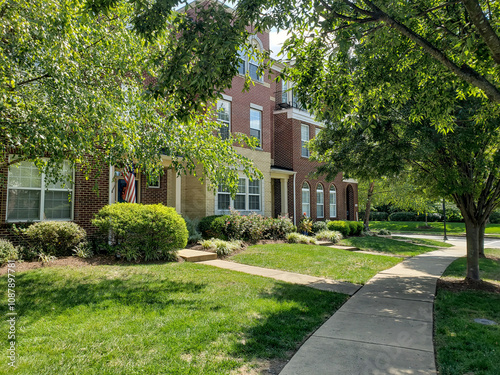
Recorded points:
(386, 245)
(424, 241)
(316, 260)
(463, 346)
(417, 227)
(177, 318)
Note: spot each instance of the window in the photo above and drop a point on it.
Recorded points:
(304, 138)
(32, 197)
(248, 196)
(249, 63)
(224, 118)
(154, 183)
(306, 199)
(320, 201)
(333, 201)
(256, 125)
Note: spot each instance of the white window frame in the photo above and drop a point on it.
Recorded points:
(259, 129)
(246, 193)
(244, 66)
(43, 190)
(333, 200)
(306, 206)
(304, 151)
(320, 203)
(227, 123)
(154, 185)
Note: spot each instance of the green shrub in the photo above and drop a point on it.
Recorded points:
(300, 238)
(403, 216)
(355, 227)
(7, 251)
(329, 235)
(150, 232)
(305, 224)
(53, 238)
(221, 247)
(319, 226)
(384, 232)
(379, 216)
(278, 228)
(340, 226)
(192, 227)
(495, 217)
(205, 226)
(431, 218)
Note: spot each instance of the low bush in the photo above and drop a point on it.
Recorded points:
(221, 247)
(300, 238)
(83, 250)
(52, 238)
(329, 235)
(250, 228)
(374, 216)
(384, 232)
(355, 227)
(319, 226)
(205, 226)
(340, 226)
(403, 216)
(150, 232)
(192, 226)
(431, 218)
(495, 217)
(7, 251)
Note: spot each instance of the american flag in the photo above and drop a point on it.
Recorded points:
(130, 180)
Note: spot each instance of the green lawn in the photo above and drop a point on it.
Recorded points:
(424, 241)
(463, 346)
(318, 261)
(174, 318)
(386, 245)
(416, 227)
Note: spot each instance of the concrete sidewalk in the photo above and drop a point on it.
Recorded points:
(385, 328)
(291, 277)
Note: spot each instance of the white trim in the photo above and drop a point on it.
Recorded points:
(153, 186)
(111, 187)
(294, 200)
(178, 196)
(350, 180)
(227, 97)
(300, 115)
(256, 106)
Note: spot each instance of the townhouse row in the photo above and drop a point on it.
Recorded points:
(268, 112)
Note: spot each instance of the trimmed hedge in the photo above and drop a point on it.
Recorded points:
(431, 218)
(403, 216)
(150, 232)
(205, 226)
(356, 227)
(374, 216)
(319, 226)
(53, 238)
(495, 217)
(340, 226)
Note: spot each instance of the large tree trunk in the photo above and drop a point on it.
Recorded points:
(472, 232)
(481, 240)
(368, 207)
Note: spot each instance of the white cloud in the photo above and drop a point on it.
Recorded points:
(276, 40)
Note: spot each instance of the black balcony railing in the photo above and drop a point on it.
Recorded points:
(283, 100)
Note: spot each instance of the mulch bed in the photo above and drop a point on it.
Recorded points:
(462, 285)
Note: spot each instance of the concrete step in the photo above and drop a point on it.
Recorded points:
(349, 248)
(196, 255)
(324, 243)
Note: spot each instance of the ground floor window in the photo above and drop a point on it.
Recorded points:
(306, 199)
(33, 197)
(333, 201)
(248, 196)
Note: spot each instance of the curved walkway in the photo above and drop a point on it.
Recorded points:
(385, 328)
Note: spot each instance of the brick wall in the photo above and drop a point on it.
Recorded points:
(153, 195)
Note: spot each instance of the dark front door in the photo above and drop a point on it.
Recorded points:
(349, 197)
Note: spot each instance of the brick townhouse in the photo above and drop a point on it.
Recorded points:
(268, 111)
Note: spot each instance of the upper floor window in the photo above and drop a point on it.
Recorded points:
(333, 201)
(248, 62)
(306, 199)
(224, 117)
(31, 196)
(256, 125)
(320, 201)
(304, 138)
(248, 196)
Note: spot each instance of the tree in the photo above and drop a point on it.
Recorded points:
(80, 88)
(463, 164)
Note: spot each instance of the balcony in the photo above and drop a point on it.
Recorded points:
(287, 99)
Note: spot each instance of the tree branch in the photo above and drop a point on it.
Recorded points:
(33, 79)
(484, 28)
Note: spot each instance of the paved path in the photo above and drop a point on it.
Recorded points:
(385, 328)
(291, 277)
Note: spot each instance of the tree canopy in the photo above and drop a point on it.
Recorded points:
(89, 89)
